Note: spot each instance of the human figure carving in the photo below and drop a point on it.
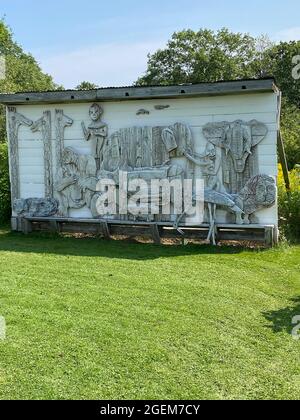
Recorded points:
(76, 181)
(210, 164)
(97, 131)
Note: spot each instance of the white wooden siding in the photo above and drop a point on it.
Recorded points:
(194, 112)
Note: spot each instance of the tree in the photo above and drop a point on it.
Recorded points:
(207, 56)
(22, 71)
(281, 60)
(290, 128)
(87, 86)
(203, 56)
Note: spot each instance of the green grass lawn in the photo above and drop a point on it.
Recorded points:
(90, 319)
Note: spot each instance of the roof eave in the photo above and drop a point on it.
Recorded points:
(141, 93)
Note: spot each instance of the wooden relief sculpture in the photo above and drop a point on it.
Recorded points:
(210, 164)
(238, 141)
(61, 123)
(43, 125)
(75, 182)
(259, 193)
(15, 121)
(228, 165)
(35, 207)
(97, 132)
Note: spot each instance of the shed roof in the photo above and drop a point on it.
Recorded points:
(141, 92)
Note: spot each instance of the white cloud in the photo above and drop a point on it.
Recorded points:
(289, 34)
(106, 65)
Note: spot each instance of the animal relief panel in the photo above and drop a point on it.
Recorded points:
(153, 160)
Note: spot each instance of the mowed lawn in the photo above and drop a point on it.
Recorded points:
(91, 319)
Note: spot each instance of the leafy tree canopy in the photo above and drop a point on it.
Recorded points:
(208, 56)
(290, 128)
(22, 71)
(87, 86)
(203, 56)
(280, 62)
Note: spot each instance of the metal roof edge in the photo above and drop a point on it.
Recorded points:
(143, 92)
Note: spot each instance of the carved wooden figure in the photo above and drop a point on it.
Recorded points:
(97, 131)
(14, 122)
(43, 125)
(238, 141)
(169, 133)
(61, 123)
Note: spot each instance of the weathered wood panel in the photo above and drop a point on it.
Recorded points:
(195, 112)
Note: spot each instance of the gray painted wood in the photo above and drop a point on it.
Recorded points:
(254, 233)
(105, 230)
(43, 125)
(131, 93)
(26, 226)
(14, 122)
(165, 224)
(54, 226)
(155, 232)
(283, 161)
(270, 237)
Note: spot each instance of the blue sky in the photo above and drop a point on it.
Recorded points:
(107, 41)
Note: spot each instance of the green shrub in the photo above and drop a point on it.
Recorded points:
(289, 206)
(5, 208)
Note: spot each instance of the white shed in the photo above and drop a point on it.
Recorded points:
(62, 143)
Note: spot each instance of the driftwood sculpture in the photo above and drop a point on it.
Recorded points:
(259, 193)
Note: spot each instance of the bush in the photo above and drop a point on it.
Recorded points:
(289, 205)
(5, 207)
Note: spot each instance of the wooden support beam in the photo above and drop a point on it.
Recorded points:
(14, 224)
(105, 230)
(269, 237)
(266, 234)
(155, 232)
(283, 161)
(26, 226)
(54, 226)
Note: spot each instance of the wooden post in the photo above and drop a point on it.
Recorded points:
(54, 226)
(105, 230)
(269, 236)
(155, 234)
(26, 226)
(283, 161)
(14, 224)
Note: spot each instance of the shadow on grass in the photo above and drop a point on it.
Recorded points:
(47, 243)
(281, 320)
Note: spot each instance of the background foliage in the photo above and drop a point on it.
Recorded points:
(208, 56)
(290, 128)
(289, 205)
